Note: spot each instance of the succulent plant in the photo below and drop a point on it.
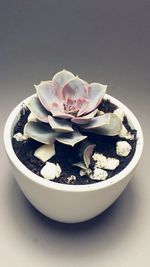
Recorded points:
(66, 108)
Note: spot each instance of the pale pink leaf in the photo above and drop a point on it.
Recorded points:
(84, 119)
(37, 109)
(74, 88)
(61, 77)
(57, 111)
(60, 125)
(47, 93)
(87, 154)
(96, 92)
(107, 124)
(82, 104)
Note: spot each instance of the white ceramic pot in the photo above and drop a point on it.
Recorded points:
(70, 203)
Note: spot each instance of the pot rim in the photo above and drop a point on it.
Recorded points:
(8, 130)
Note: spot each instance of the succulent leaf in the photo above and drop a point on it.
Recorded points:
(60, 125)
(87, 155)
(37, 109)
(80, 165)
(107, 124)
(61, 77)
(40, 132)
(45, 152)
(57, 112)
(84, 119)
(70, 138)
(73, 106)
(96, 91)
(97, 122)
(113, 128)
(32, 117)
(48, 94)
(74, 88)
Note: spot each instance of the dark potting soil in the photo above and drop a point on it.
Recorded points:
(67, 155)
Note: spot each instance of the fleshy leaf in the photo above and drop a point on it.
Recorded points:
(87, 155)
(80, 165)
(40, 132)
(60, 125)
(70, 138)
(97, 122)
(85, 119)
(37, 109)
(82, 147)
(107, 124)
(61, 77)
(82, 104)
(96, 92)
(74, 88)
(48, 93)
(57, 112)
(32, 117)
(73, 105)
(45, 152)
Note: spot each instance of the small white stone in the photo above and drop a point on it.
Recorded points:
(99, 174)
(119, 113)
(100, 159)
(32, 117)
(51, 171)
(82, 172)
(111, 164)
(105, 163)
(100, 112)
(125, 134)
(45, 152)
(123, 148)
(71, 178)
(85, 172)
(20, 137)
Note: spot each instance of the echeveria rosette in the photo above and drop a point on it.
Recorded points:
(67, 106)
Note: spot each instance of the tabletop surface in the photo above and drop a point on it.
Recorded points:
(105, 41)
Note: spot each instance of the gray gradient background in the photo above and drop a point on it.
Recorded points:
(106, 41)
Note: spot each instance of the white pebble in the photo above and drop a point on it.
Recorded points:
(20, 137)
(100, 159)
(105, 163)
(71, 178)
(82, 172)
(123, 148)
(45, 152)
(85, 172)
(125, 134)
(99, 174)
(119, 113)
(100, 112)
(32, 117)
(51, 171)
(111, 164)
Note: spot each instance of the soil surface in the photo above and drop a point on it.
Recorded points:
(66, 155)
